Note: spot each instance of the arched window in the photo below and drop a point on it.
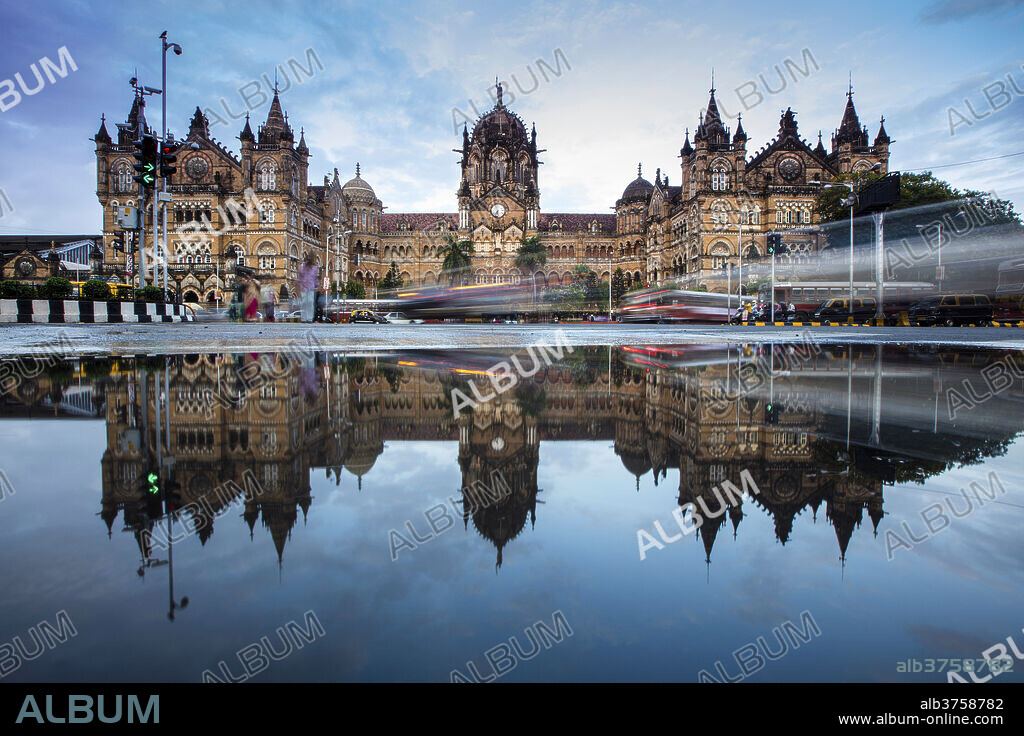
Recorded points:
(719, 176)
(805, 217)
(123, 177)
(266, 179)
(295, 181)
(267, 212)
(755, 216)
(693, 180)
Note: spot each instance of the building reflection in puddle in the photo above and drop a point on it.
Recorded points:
(822, 431)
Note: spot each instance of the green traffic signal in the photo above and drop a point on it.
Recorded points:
(146, 155)
(152, 479)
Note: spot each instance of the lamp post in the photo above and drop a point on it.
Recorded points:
(164, 45)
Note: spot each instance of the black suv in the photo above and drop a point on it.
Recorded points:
(951, 310)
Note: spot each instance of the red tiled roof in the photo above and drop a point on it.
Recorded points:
(391, 221)
(575, 221)
(569, 221)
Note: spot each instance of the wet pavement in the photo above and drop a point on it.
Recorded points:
(226, 336)
(418, 514)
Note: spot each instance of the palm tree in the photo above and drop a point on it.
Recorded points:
(457, 256)
(531, 254)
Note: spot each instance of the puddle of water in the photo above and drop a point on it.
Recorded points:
(187, 506)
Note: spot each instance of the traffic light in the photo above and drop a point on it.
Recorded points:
(118, 243)
(771, 413)
(149, 492)
(167, 159)
(775, 246)
(146, 155)
(172, 489)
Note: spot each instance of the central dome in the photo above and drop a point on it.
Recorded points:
(500, 124)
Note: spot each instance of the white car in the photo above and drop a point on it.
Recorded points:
(399, 318)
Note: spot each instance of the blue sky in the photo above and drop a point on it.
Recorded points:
(631, 78)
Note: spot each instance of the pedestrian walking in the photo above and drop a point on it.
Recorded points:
(251, 298)
(269, 298)
(309, 275)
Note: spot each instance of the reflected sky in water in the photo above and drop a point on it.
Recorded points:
(600, 444)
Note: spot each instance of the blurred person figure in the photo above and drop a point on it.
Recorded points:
(309, 275)
(251, 298)
(269, 298)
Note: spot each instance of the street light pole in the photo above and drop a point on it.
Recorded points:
(164, 45)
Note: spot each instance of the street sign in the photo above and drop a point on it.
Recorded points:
(164, 197)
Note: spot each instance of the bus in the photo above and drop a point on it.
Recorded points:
(807, 296)
(673, 305)
(115, 289)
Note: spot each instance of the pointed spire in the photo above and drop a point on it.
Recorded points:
(740, 134)
(246, 134)
(850, 128)
(882, 139)
(819, 149)
(687, 149)
(302, 147)
(102, 136)
(199, 125)
(275, 124)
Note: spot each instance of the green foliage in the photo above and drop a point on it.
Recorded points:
(355, 290)
(149, 294)
(96, 289)
(754, 286)
(392, 280)
(699, 287)
(392, 374)
(457, 257)
(530, 255)
(916, 190)
(62, 371)
(55, 287)
(96, 368)
(12, 289)
(531, 397)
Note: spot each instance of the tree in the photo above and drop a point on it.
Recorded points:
(392, 280)
(457, 257)
(530, 255)
(355, 290)
(916, 190)
(618, 284)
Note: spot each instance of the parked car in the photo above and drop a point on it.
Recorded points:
(365, 315)
(399, 318)
(952, 309)
(838, 311)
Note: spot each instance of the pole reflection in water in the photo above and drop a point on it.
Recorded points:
(840, 426)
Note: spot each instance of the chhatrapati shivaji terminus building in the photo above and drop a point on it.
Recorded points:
(681, 229)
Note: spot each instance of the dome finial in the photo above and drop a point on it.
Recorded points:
(638, 173)
(357, 168)
(497, 85)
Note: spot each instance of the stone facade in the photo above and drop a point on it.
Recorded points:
(659, 232)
